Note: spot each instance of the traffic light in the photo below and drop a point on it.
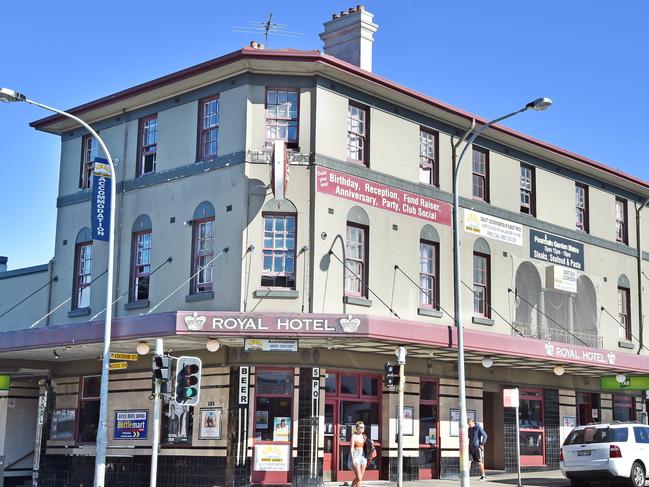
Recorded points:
(188, 380)
(391, 377)
(161, 366)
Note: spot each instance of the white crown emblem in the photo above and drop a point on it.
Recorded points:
(549, 348)
(349, 324)
(195, 322)
(611, 358)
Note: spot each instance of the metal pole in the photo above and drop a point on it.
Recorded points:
(638, 238)
(401, 360)
(100, 458)
(518, 446)
(457, 265)
(157, 408)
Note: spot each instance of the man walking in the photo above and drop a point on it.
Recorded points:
(477, 440)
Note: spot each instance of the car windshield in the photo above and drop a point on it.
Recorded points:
(597, 435)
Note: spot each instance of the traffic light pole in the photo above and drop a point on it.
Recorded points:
(157, 413)
(401, 360)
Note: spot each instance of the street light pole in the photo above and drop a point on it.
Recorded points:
(539, 105)
(8, 95)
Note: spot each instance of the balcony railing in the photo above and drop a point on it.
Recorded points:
(559, 335)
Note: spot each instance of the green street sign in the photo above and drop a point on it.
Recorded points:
(632, 383)
(5, 382)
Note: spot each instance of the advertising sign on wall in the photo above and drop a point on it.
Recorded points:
(101, 197)
(271, 458)
(269, 345)
(492, 227)
(131, 425)
(378, 195)
(630, 383)
(556, 250)
(561, 278)
(62, 426)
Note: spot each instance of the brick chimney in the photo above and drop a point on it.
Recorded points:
(349, 36)
(3, 263)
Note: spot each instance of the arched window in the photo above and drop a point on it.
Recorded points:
(429, 267)
(481, 278)
(203, 249)
(140, 259)
(82, 270)
(280, 232)
(528, 291)
(356, 252)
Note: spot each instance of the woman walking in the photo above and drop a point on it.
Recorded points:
(361, 449)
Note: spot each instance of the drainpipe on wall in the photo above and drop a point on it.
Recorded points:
(639, 248)
(51, 279)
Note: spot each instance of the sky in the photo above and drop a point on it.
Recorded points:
(488, 58)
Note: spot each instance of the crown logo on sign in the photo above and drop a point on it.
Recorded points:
(349, 324)
(195, 322)
(549, 348)
(611, 358)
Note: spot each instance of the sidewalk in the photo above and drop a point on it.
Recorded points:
(536, 479)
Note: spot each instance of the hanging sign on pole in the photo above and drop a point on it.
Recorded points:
(101, 181)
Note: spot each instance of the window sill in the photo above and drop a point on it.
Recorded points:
(203, 296)
(625, 344)
(482, 321)
(357, 301)
(276, 294)
(78, 312)
(137, 305)
(433, 313)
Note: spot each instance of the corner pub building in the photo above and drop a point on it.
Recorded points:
(294, 286)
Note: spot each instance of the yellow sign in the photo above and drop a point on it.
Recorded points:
(124, 356)
(117, 365)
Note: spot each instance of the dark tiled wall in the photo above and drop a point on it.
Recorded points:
(410, 468)
(450, 468)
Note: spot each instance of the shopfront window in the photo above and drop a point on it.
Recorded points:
(623, 408)
(428, 424)
(89, 409)
(532, 431)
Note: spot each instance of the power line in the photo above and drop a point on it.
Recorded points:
(428, 294)
(602, 308)
(495, 311)
(54, 279)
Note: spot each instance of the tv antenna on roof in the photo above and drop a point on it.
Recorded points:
(267, 27)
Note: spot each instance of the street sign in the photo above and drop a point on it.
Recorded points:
(124, 356)
(510, 398)
(117, 365)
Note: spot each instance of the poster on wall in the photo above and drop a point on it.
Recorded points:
(261, 420)
(271, 458)
(454, 418)
(178, 424)
(569, 422)
(131, 425)
(62, 427)
(282, 426)
(493, 228)
(210, 424)
(408, 420)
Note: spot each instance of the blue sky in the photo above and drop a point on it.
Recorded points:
(488, 58)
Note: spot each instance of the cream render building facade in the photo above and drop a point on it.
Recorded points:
(355, 260)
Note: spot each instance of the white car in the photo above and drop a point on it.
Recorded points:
(604, 452)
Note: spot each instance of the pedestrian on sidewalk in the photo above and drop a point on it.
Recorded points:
(477, 440)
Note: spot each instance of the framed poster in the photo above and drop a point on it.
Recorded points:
(131, 425)
(271, 458)
(63, 422)
(408, 420)
(569, 422)
(282, 427)
(454, 419)
(178, 429)
(261, 420)
(210, 424)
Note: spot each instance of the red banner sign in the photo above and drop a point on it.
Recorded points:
(369, 193)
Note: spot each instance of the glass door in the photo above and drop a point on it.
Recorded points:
(584, 409)
(428, 446)
(531, 429)
(329, 441)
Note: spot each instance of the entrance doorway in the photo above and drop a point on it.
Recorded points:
(494, 424)
(350, 398)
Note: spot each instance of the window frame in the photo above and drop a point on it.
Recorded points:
(435, 275)
(624, 315)
(531, 192)
(617, 401)
(484, 176)
(426, 162)
(273, 250)
(623, 222)
(583, 210)
(364, 275)
(428, 473)
(528, 393)
(77, 285)
(365, 136)
(81, 400)
(135, 275)
(202, 156)
(142, 151)
(486, 285)
(88, 154)
(291, 144)
(194, 284)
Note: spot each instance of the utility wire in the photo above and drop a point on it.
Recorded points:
(495, 311)
(169, 259)
(54, 279)
(602, 308)
(534, 306)
(331, 252)
(67, 300)
(224, 251)
(428, 294)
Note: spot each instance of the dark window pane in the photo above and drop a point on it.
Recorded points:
(531, 443)
(349, 384)
(428, 391)
(330, 383)
(91, 386)
(88, 421)
(274, 382)
(370, 386)
(267, 409)
(427, 424)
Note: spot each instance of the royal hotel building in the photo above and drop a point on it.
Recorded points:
(302, 280)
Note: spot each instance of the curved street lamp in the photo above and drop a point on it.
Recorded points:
(7, 95)
(539, 105)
